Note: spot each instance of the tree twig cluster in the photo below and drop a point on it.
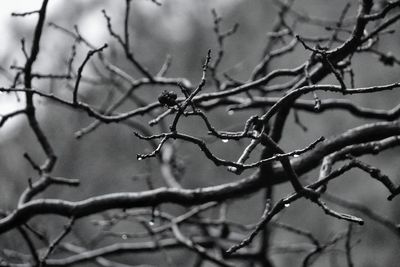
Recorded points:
(270, 94)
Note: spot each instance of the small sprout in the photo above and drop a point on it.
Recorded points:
(317, 102)
(151, 222)
(168, 98)
(287, 205)
(225, 140)
(139, 157)
(317, 105)
(376, 149)
(255, 133)
(296, 155)
(388, 59)
(233, 169)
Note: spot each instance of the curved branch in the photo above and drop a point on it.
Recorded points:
(187, 197)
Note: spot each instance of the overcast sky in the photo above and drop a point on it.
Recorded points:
(172, 21)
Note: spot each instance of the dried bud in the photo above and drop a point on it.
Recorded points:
(168, 98)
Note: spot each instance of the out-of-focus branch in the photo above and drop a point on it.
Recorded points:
(365, 211)
(275, 92)
(302, 164)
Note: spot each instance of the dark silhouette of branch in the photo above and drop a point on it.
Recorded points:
(161, 110)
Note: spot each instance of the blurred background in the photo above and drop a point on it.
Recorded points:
(105, 160)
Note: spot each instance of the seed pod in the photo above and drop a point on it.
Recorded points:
(168, 98)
